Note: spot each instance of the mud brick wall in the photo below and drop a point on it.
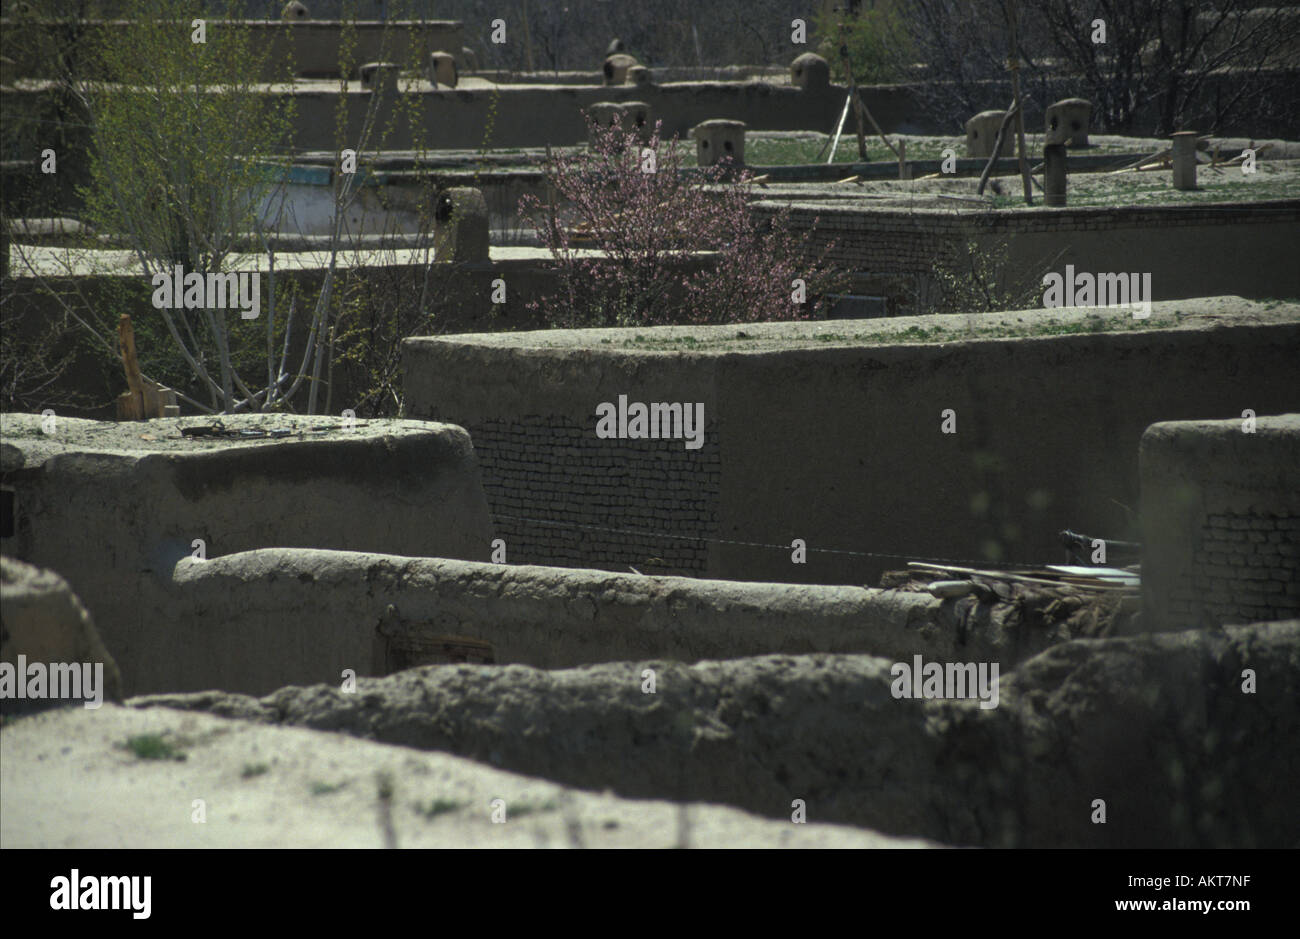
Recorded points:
(838, 445)
(562, 496)
(293, 616)
(113, 513)
(532, 419)
(1246, 565)
(1182, 247)
(314, 46)
(1221, 521)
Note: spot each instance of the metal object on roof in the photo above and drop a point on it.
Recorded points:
(1079, 547)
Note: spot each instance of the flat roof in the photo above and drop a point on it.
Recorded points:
(136, 439)
(1197, 313)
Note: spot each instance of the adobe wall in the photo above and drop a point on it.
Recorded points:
(533, 115)
(839, 442)
(1221, 521)
(113, 507)
(313, 45)
(1243, 249)
(278, 617)
(1092, 719)
(259, 620)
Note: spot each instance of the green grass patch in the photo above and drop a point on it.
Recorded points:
(763, 150)
(153, 747)
(1092, 323)
(439, 807)
(324, 789)
(1273, 180)
(254, 769)
(523, 809)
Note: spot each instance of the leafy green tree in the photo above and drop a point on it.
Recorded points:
(875, 39)
(184, 151)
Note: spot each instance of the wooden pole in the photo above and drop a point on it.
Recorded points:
(1014, 63)
(861, 113)
(130, 408)
(857, 99)
(857, 109)
(997, 146)
(839, 128)
(528, 38)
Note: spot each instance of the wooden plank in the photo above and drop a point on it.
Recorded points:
(1007, 575)
(126, 346)
(1160, 155)
(155, 398)
(144, 398)
(130, 406)
(170, 405)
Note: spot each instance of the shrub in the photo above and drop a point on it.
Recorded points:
(977, 278)
(649, 223)
(876, 41)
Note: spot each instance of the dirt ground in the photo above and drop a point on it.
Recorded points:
(71, 781)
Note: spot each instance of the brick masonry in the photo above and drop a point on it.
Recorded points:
(1177, 244)
(840, 444)
(1221, 522)
(561, 496)
(1246, 569)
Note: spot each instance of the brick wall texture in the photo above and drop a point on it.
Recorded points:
(1246, 569)
(898, 241)
(562, 496)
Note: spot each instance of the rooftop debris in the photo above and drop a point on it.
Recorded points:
(218, 429)
(1062, 599)
(1080, 548)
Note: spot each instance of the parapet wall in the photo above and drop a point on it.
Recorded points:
(279, 617)
(1221, 521)
(1190, 250)
(839, 442)
(533, 115)
(314, 47)
(113, 507)
(259, 620)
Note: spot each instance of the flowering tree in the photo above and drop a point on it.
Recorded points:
(670, 247)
